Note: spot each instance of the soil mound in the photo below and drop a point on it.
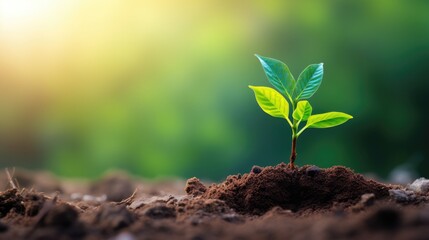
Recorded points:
(298, 190)
(304, 203)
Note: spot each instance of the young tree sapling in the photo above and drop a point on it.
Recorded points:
(296, 92)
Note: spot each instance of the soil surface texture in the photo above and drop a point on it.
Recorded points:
(266, 203)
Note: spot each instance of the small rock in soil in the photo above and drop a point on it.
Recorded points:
(194, 187)
(420, 185)
(312, 170)
(256, 169)
(114, 217)
(402, 196)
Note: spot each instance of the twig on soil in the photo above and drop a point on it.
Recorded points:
(128, 201)
(54, 199)
(13, 184)
(46, 208)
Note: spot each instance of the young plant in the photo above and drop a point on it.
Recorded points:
(296, 92)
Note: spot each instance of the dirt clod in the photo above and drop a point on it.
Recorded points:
(11, 200)
(113, 217)
(62, 215)
(159, 211)
(33, 203)
(194, 187)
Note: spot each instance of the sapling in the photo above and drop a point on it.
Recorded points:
(296, 92)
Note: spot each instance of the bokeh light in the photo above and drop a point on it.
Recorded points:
(159, 88)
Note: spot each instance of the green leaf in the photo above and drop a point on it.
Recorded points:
(278, 75)
(271, 102)
(308, 82)
(302, 111)
(326, 120)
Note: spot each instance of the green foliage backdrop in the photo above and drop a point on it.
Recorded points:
(159, 88)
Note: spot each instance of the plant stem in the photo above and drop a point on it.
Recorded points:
(293, 153)
(293, 150)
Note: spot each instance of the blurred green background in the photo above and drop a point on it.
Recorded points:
(159, 88)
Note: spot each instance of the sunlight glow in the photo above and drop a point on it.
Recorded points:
(15, 13)
(30, 30)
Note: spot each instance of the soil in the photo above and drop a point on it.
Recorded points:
(266, 203)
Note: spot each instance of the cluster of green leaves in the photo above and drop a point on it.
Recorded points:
(296, 92)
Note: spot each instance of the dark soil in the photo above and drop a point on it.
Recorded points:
(303, 189)
(266, 203)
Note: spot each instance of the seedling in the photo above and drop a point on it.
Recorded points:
(296, 92)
